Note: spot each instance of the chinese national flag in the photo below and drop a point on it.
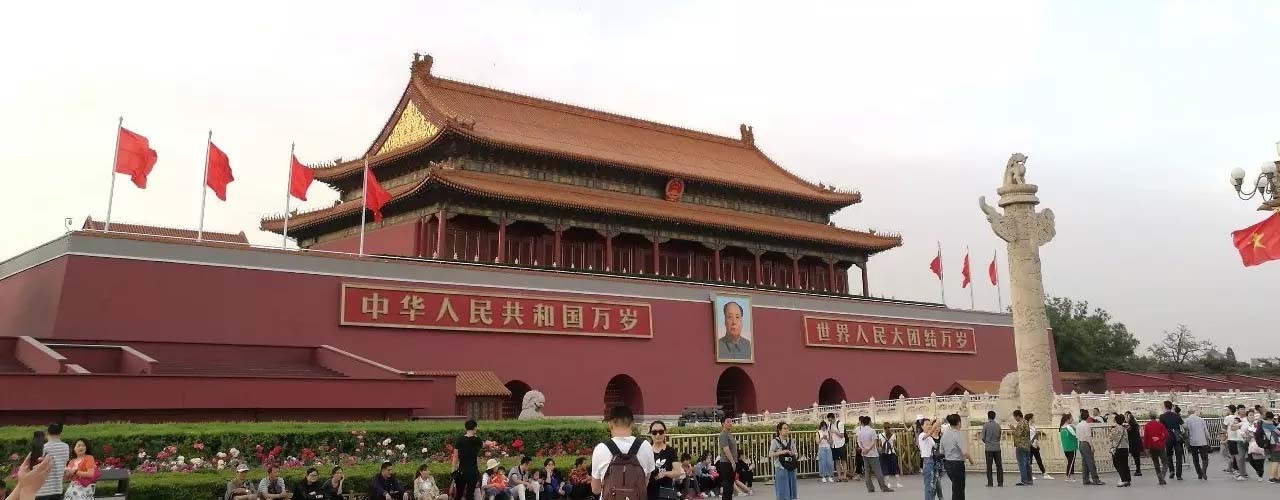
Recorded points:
(936, 265)
(993, 272)
(1260, 242)
(135, 157)
(300, 178)
(218, 172)
(964, 272)
(374, 196)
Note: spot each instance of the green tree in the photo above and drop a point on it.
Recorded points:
(1088, 340)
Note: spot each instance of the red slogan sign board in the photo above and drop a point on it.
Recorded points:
(853, 333)
(430, 309)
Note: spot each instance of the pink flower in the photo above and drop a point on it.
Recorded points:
(14, 457)
(517, 444)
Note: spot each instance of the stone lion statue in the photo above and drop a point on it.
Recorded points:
(1015, 171)
(1009, 395)
(531, 407)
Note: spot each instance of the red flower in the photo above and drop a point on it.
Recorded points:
(517, 444)
(106, 449)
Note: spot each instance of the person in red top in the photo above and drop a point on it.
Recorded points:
(1155, 437)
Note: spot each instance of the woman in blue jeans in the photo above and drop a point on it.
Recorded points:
(927, 441)
(784, 481)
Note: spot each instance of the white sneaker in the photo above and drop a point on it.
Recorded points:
(899, 485)
(1241, 478)
(1047, 476)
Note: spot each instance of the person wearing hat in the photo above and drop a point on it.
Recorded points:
(494, 482)
(240, 487)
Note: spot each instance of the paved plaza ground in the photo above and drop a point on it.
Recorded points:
(1053, 489)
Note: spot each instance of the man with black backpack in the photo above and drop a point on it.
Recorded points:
(620, 466)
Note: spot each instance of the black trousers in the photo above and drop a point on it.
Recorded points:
(994, 456)
(955, 472)
(465, 489)
(726, 471)
(1200, 457)
(1175, 451)
(1071, 462)
(1121, 460)
(1035, 454)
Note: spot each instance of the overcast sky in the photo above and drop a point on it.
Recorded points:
(1132, 114)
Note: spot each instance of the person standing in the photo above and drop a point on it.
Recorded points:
(1236, 445)
(1035, 446)
(1172, 422)
(889, 456)
(466, 466)
(57, 451)
(1022, 448)
(1135, 443)
(826, 465)
(868, 444)
(665, 472)
(927, 440)
(1067, 434)
(991, 448)
(1084, 438)
(1198, 443)
(784, 461)
(1155, 438)
(839, 452)
(1268, 436)
(622, 450)
(727, 466)
(955, 455)
(1118, 437)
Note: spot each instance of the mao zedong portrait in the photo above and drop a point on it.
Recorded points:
(732, 345)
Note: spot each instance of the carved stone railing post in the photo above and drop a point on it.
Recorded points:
(902, 408)
(814, 414)
(933, 405)
(844, 411)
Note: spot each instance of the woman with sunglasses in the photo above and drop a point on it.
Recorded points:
(662, 482)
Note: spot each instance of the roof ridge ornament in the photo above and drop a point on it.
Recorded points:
(748, 136)
(422, 64)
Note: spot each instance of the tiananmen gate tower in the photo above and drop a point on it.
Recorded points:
(527, 245)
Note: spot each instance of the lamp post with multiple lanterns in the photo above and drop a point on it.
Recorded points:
(1265, 185)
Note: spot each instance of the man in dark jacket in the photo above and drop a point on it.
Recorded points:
(1173, 447)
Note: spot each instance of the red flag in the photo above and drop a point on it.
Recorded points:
(1260, 242)
(300, 178)
(936, 265)
(134, 156)
(374, 196)
(218, 172)
(992, 272)
(964, 271)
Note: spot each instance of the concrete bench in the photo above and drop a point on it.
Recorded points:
(121, 477)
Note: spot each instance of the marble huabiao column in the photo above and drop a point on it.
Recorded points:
(1025, 230)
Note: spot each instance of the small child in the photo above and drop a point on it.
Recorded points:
(745, 476)
(497, 487)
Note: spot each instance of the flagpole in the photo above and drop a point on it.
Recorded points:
(364, 201)
(284, 243)
(942, 281)
(115, 161)
(204, 193)
(966, 259)
(999, 296)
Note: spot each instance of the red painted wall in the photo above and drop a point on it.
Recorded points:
(30, 299)
(168, 303)
(393, 240)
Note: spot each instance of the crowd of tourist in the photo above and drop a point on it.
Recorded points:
(627, 467)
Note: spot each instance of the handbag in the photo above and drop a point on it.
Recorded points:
(788, 462)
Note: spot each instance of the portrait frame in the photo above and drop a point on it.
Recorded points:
(718, 303)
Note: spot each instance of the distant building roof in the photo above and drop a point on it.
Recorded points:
(473, 383)
(125, 227)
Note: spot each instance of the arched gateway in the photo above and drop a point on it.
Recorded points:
(623, 390)
(511, 407)
(735, 393)
(831, 393)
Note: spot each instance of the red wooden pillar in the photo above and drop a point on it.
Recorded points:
(502, 240)
(795, 272)
(418, 229)
(441, 221)
(608, 252)
(759, 268)
(715, 261)
(831, 275)
(866, 289)
(656, 256)
(555, 249)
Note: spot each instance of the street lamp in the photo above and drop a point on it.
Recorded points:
(1264, 186)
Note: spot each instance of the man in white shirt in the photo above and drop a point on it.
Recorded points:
(1198, 442)
(620, 422)
(1084, 436)
(1236, 444)
(58, 452)
(839, 452)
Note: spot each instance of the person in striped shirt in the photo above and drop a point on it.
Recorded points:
(58, 452)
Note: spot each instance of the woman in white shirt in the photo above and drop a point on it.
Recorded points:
(826, 465)
(927, 440)
(424, 486)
